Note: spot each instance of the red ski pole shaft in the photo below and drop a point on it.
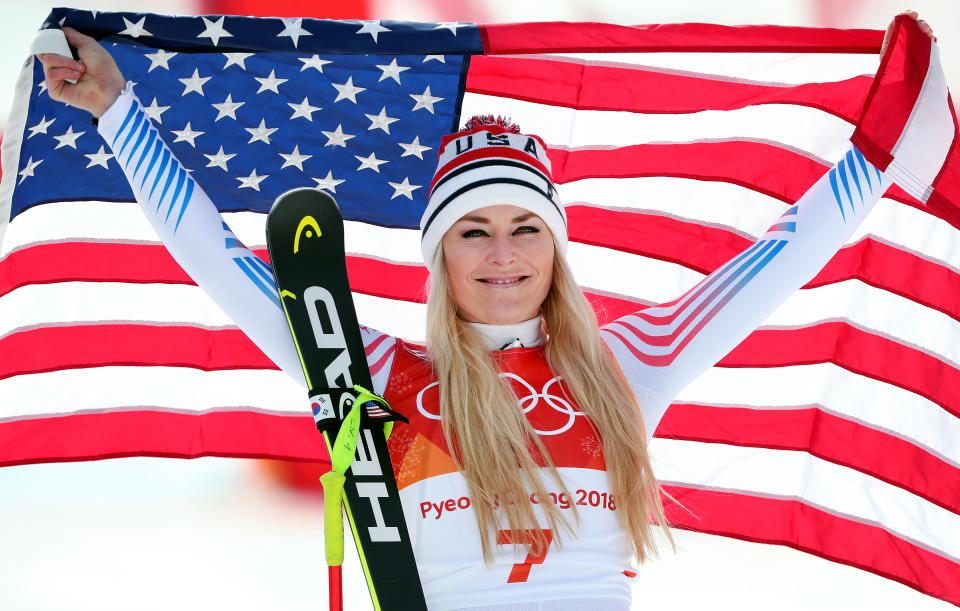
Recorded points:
(335, 580)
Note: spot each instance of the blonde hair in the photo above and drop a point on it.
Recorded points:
(495, 447)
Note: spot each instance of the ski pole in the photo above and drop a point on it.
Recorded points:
(341, 457)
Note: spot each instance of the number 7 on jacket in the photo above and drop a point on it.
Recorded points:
(521, 570)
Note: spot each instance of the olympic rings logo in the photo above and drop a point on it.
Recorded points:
(527, 402)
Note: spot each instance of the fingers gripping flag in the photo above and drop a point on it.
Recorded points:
(833, 428)
(908, 125)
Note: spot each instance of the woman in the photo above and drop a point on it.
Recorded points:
(508, 509)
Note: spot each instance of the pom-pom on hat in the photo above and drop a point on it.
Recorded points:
(489, 163)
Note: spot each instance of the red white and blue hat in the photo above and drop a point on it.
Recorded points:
(489, 163)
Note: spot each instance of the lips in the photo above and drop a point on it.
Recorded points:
(503, 282)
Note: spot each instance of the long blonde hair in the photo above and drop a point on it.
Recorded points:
(494, 445)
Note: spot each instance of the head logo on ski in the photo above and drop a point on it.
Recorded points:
(307, 223)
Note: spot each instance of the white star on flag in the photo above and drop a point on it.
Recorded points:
(214, 31)
(294, 158)
(303, 109)
(373, 28)
(41, 127)
(68, 138)
(227, 108)
(292, 28)
(236, 59)
(261, 132)
(329, 182)
(251, 182)
(28, 170)
(154, 111)
(336, 137)
(391, 70)
(450, 25)
(270, 83)
(187, 135)
(160, 59)
(220, 159)
(439, 58)
(314, 62)
(194, 83)
(99, 158)
(347, 91)
(134, 30)
(414, 148)
(425, 100)
(381, 121)
(403, 188)
(370, 162)
(42, 86)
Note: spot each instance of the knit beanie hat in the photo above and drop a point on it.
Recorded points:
(489, 163)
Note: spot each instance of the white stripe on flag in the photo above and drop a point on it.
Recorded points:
(793, 126)
(798, 475)
(181, 389)
(769, 68)
(858, 398)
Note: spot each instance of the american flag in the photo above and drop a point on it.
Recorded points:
(832, 429)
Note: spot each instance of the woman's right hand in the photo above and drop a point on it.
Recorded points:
(98, 79)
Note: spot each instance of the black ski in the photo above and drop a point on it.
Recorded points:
(305, 239)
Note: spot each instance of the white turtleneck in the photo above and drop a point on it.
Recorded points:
(516, 335)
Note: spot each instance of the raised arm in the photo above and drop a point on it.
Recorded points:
(181, 213)
(192, 229)
(663, 348)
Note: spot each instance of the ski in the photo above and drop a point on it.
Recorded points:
(305, 240)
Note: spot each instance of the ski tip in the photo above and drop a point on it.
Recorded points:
(305, 195)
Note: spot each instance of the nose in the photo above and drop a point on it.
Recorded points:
(502, 251)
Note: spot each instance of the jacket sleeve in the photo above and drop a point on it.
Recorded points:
(663, 348)
(192, 229)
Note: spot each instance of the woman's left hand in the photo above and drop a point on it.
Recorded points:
(924, 27)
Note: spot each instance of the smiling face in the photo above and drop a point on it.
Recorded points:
(500, 263)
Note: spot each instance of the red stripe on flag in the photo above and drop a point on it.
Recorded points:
(141, 432)
(89, 262)
(856, 350)
(386, 279)
(704, 248)
(822, 434)
(699, 247)
(573, 84)
(758, 166)
(870, 261)
(27, 352)
(98, 345)
(342, 9)
(562, 37)
(929, 283)
(799, 526)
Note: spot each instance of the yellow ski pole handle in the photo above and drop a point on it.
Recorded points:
(341, 456)
(332, 483)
